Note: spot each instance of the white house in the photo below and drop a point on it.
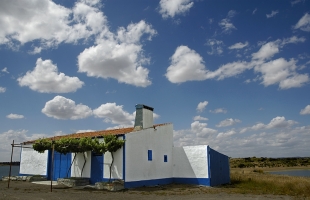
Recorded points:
(148, 157)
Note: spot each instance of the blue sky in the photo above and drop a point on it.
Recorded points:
(231, 74)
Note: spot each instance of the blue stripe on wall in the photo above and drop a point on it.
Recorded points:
(194, 181)
(124, 158)
(163, 181)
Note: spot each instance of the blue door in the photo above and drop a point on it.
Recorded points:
(96, 174)
(62, 165)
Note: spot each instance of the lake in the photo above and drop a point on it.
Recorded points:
(305, 173)
(5, 170)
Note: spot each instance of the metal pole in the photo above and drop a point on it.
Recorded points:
(52, 169)
(11, 165)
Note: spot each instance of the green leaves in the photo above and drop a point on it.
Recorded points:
(79, 145)
(42, 144)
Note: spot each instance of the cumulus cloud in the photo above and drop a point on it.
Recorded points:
(46, 79)
(238, 45)
(267, 51)
(201, 129)
(275, 123)
(304, 23)
(200, 118)
(219, 110)
(49, 23)
(216, 46)
(170, 8)
(201, 106)
(14, 116)
(281, 72)
(226, 24)
(276, 138)
(305, 111)
(186, 65)
(272, 14)
(63, 108)
(228, 122)
(226, 134)
(119, 56)
(114, 114)
(2, 89)
(7, 137)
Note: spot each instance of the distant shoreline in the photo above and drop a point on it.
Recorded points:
(268, 169)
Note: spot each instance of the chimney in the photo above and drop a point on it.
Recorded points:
(144, 117)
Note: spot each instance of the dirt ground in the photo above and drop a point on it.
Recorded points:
(31, 191)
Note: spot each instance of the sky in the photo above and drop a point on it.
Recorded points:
(230, 74)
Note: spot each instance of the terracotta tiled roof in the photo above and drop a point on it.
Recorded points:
(120, 131)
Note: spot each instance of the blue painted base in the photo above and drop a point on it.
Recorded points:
(164, 181)
(133, 184)
(194, 181)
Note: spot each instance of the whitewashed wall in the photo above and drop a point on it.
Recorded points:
(32, 162)
(160, 141)
(190, 162)
(117, 168)
(78, 163)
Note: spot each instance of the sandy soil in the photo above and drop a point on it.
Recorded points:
(31, 191)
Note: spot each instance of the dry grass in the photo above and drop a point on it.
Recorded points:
(262, 183)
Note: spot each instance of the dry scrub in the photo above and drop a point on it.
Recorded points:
(263, 183)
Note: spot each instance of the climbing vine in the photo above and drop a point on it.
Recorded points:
(79, 145)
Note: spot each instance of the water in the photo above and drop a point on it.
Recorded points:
(5, 170)
(293, 173)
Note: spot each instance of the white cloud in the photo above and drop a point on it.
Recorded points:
(304, 23)
(5, 70)
(46, 79)
(279, 138)
(277, 122)
(119, 56)
(254, 11)
(238, 45)
(226, 134)
(201, 130)
(228, 122)
(186, 65)
(19, 136)
(170, 8)
(272, 14)
(84, 131)
(226, 24)
(114, 114)
(216, 46)
(48, 23)
(305, 111)
(201, 106)
(15, 116)
(281, 72)
(228, 70)
(2, 89)
(200, 118)
(63, 108)
(267, 51)
(219, 110)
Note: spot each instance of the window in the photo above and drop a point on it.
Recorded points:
(149, 155)
(165, 158)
